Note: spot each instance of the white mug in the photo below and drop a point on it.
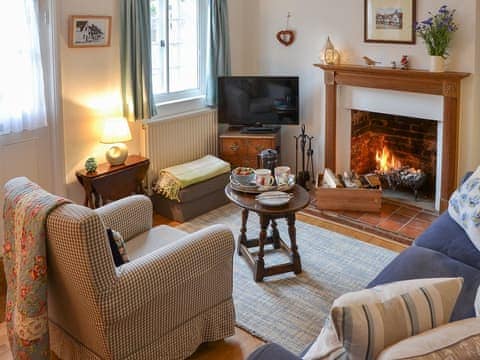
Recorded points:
(282, 174)
(263, 177)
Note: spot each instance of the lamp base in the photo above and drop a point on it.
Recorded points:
(117, 154)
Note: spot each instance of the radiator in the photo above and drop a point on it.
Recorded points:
(180, 139)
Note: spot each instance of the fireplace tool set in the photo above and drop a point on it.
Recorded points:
(306, 173)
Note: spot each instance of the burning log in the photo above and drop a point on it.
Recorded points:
(395, 176)
(406, 178)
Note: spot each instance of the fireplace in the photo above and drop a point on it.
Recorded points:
(401, 150)
(413, 83)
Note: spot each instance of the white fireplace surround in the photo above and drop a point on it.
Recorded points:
(401, 103)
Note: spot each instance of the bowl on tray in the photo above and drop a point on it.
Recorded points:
(244, 175)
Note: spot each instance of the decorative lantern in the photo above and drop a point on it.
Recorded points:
(330, 54)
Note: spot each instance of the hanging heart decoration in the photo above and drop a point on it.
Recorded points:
(286, 37)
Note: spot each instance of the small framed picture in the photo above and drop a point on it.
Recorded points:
(390, 21)
(89, 31)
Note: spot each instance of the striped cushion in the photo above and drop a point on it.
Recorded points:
(459, 340)
(366, 329)
(327, 345)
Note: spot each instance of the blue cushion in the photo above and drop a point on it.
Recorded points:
(417, 262)
(117, 257)
(272, 352)
(447, 237)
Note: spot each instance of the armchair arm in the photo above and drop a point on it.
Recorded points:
(184, 278)
(129, 216)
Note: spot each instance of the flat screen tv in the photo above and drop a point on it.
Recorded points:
(246, 101)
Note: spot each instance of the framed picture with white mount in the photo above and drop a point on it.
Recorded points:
(390, 21)
(89, 31)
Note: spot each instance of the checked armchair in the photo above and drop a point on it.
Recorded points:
(173, 295)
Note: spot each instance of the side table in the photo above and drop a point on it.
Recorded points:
(268, 217)
(111, 183)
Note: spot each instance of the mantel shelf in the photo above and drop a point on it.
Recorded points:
(389, 72)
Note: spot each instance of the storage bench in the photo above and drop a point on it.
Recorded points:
(195, 200)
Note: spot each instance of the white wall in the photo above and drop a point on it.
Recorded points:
(91, 90)
(91, 77)
(243, 18)
(314, 20)
(91, 85)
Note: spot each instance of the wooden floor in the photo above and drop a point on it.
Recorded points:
(242, 344)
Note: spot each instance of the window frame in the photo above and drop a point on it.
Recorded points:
(202, 33)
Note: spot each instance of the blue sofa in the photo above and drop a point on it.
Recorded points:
(443, 250)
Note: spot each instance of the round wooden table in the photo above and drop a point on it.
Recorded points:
(268, 216)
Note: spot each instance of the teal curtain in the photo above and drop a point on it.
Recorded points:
(218, 58)
(136, 60)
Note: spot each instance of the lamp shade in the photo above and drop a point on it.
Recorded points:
(115, 130)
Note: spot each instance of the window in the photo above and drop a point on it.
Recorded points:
(178, 48)
(22, 92)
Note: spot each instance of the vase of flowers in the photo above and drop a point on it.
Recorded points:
(437, 32)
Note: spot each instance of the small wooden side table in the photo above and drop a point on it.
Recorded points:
(268, 217)
(111, 183)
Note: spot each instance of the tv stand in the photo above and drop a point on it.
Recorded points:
(260, 130)
(241, 149)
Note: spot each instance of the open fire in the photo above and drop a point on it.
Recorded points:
(395, 176)
(399, 150)
(386, 160)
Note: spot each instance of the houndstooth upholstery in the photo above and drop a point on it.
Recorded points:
(159, 306)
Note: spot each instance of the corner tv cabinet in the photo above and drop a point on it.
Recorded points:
(242, 149)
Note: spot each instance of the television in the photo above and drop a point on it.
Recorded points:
(257, 103)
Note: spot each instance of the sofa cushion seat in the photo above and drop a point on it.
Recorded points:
(447, 237)
(152, 240)
(272, 351)
(418, 262)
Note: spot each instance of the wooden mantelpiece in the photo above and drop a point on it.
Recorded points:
(446, 84)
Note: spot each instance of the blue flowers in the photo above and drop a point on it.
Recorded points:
(437, 31)
(429, 21)
(443, 9)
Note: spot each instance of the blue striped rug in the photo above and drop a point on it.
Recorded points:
(290, 309)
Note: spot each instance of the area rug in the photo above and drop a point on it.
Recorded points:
(289, 309)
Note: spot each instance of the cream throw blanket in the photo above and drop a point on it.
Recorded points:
(175, 178)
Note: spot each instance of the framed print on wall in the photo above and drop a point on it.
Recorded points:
(89, 31)
(390, 21)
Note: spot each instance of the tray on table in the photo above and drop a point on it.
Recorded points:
(256, 189)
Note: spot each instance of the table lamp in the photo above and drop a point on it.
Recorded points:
(116, 131)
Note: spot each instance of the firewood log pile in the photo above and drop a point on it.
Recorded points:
(403, 178)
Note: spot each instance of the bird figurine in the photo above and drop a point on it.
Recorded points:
(369, 61)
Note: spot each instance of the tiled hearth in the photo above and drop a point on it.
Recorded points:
(396, 221)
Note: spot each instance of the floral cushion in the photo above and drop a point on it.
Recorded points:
(464, 207)
(117, 245)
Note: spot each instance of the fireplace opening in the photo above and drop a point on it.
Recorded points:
(401, 150)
